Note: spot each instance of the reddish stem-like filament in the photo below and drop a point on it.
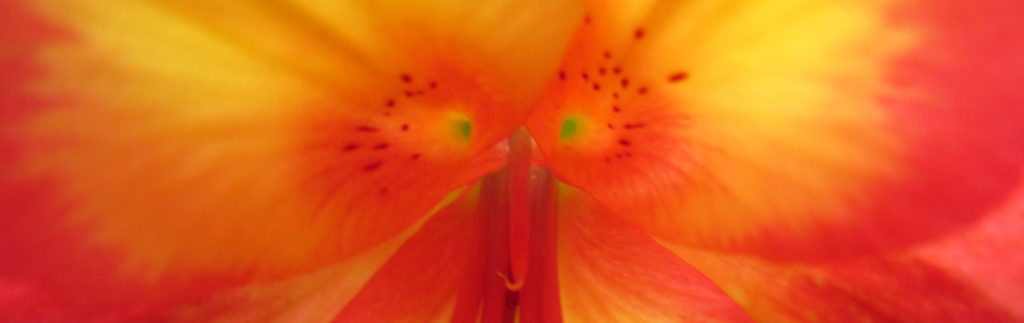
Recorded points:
(494, 204)
(519, 207)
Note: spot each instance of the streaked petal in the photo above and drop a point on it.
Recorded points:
(791, 129)
(314, 297)
(610, 270)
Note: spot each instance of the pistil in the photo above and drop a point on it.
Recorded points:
(519, 202)
(519, 207)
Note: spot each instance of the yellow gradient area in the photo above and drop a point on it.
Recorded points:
(776, 125)
(786, 124)
(211, 136)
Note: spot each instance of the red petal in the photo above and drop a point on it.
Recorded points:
(791, 129)
(438, 273)
(894, 288)
(987, 255)
(609, 270)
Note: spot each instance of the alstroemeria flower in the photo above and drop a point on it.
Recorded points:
(494, 161)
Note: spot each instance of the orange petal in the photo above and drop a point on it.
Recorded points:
(610, 270)
(268, 132)
(791, 129)
(154, 149)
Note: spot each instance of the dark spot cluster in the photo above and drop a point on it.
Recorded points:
(625, 144)
(373, 152)
(609, 73)
(369, 143)
(379, 146)
(410, 90)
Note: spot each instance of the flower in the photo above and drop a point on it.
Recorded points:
(776, 160)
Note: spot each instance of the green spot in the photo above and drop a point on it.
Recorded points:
(569, 127)
(464, 128)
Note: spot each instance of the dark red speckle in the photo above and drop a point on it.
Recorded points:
(607, 55)
(433, 85)
(415, 156)
(406, 78)
(616, 70)
(409, 94)
(642, 90)
(625, 83)
(616, 108)
(366, 129)
(677, 77)
(390, 103)
(610, 126)
(601, 71)
(561, 75)
(350, 147)
(384, 190)
(373, 166)
(380, 146)
(624, 142)
(405, 127)
(639, 33)
(587, 19)
(597, 87)
(585, 76)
